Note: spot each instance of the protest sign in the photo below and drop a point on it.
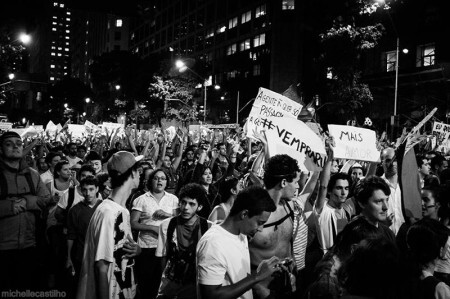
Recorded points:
(5, 126)
(293, 137)
(77, 131)
(50, 127)
(25, 132)
(354, 143)
(441, 131)
(414, 136)
(110, 126)
(221, 126)
(270, 104)
(90, 127)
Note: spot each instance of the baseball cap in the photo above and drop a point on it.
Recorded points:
(9, 134)
(121, 162)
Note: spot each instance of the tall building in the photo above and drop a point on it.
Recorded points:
(242, 44)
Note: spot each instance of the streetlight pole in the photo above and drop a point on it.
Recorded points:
(204, 102)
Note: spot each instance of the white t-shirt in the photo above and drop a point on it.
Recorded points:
(395, 206)
(106, 235)
(47, 176)
(223, 259)
(147, 204)
(64, 201)
(73, 161)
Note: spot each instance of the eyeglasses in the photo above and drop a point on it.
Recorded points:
(159, 179)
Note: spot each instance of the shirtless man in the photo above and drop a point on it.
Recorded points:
(281, 180)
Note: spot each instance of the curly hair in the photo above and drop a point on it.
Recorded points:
(280, 167)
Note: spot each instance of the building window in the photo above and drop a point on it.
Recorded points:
(68, 13)
(67, 37)
(330, 73)
(68, 19)
(256, 70)
(231, 49)
(54, 29)
(59, 54)
(67, 31)
(259, 40)
(210, 33)
(61, 5)
(391, 61)
(117, 35)
(245, 45)
(426, 55)
(55, 17)
(66, 49)
(55, 3)
(119, 23)
(54, 23)
(253, 56)
(260, 11)
(221, 28)
(52, 78)
(288, 4)
(232, 22)
(246, 16)
(52, 66)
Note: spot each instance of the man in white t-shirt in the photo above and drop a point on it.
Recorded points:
(107, 270)
(223, 258)
(72, 156)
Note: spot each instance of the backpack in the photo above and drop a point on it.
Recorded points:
(181, 266)
(4, 186)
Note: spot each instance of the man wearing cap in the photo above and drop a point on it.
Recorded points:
(108, 266)
(22, 197)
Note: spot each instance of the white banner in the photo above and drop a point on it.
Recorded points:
(5, 126)
(77, 131)
(294, 138)
(270, 104)
(50, 127)
(354, 143)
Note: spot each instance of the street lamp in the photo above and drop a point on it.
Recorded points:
(117, 87)
(181, 66)
(87, 100)
(66, 105)
(25, 38)
(11, 76)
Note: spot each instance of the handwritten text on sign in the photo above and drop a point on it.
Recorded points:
(293, 137)
(442, 131)
(354, 143)
(268, 104)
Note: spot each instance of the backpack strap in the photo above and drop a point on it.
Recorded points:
(170, 231)
(3, 186)
(71, 198)
(30, 182)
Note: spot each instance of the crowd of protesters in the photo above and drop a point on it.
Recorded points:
(148, 216)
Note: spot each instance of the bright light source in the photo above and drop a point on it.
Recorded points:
(222, 98)
(24, 120)
(66, 105)
(217, 87)
(84, 113)
(87, 100)
(25, 38)
(180, 64)
(117, 87)
(182, 69)
(11, 76)
(405, 51)
(199, 85)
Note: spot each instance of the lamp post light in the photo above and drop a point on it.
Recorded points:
(25, 38)
(11, 76)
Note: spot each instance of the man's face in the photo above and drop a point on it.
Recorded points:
(73, 150)
(334, 167)
(376, 207)
(290, 188)
(89, 193)
(429, 205)
(188, 207)
(357, 174)
(85, 174)
(389, 166)
(97, 164)
(81, 153)
(55, 161)
(12, 148)
(339, 193)
(190, 156)
(169, 152)
(42, 165)
(223, 150)
(254, 224)
(443, 166)
(425, 168)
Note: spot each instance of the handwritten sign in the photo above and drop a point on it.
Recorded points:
(293, 137)
(441, 131)
(270, 104)
(5, 126)
(354, 143)
(414, 136)
(50, 127)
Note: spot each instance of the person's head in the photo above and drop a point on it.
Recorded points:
(89, 188)
(62, 170)
(189, 154)
(338, 188)
(11, 146)
(424, 165)
(252, 209)
(282, 172)
(334, 167)
(81, 151)
(438, 164)
(85, 171)
(122, 167)
(372, 194)
(192, 199)
(254, 147)
(94, 159)
(430, 155)
(372, 271)
(42, 165)
(157, 181)
(169, 152)
(430, 202)
(72, 149)
(426, 240)
(222, 148)
(206, 178)
(52, 159)
(118, 146)
(356, 172)
(167, 161)
(104, 184)
(229, 187)
(388, 160)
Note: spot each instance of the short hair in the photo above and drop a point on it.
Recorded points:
(92, 156)
(71, 144)
(49, 157)
(226, 186)
(438, 160)
(255, 200)
(434, 191)
(194, 191)
(90, 180)
(82, 147)
(119, 180)
(280, 167)
(338, 176)
(364, 190)
(58, 167)
(419, 160)
(87, 167)
(152, 175)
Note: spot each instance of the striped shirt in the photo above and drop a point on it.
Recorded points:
(300, 235)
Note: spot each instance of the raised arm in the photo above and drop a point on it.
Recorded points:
(324, 178)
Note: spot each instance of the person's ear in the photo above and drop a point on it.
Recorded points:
(244, 214)
(283, 183)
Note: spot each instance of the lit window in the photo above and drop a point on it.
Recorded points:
(53, 48)
(67, 43)
(55, 17)
(391, 61)
(67, 37)
(146, 44)
(59, 48)
(55, 3)
(132, 36)
(288, 4)
(59, 54)
(52, 66)
(221, 28)
(52, 78)
(210, 33)
(256, 70)
(68, 19)
(232, 22)
(246, 16)
(253, 56)
(67, 31)
(61, 5)
(54, 29)
(68, 13)
(54, 23)
(426, 55)
(65, 74)
(231, 49)
(119, 23)
(53, 53)
(259, 40)
(66, 49)
(260, 11)
(245, 45)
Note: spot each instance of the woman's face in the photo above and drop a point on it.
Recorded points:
(65, 173)
(207, 176)
(159, 182)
